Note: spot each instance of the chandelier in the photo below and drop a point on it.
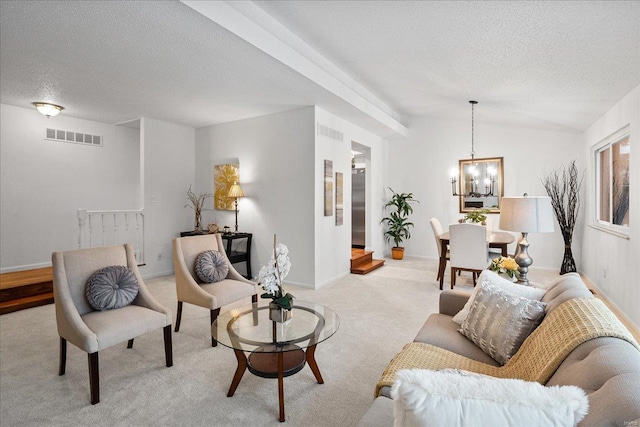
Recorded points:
(470, 179)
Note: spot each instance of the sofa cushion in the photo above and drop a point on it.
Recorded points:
(488, 276)
(111, 287)
(564, 288)
(499, 322)
(608, 370)
(451, 397)
(380, 413)
(211, 266)
(440, 331)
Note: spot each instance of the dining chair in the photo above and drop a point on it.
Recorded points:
(489, 224)
(437, 232)
(90, 329)
(469, 250)
(190, 288)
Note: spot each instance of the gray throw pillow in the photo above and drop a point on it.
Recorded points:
(112, 287)
(211, 267)
(499, 322)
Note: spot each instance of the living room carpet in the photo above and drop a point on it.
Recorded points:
(379, 313)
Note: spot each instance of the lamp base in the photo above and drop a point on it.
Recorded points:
(523, 260)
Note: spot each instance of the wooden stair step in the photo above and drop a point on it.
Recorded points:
(367, 267)
(25, 289)
(26, 302)
(360, 257)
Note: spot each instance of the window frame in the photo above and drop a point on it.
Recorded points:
(596, 149)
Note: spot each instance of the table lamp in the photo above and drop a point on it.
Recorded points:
(235, 191)
(526, 215)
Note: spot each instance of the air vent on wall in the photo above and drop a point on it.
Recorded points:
(73, 137)
(329, 133)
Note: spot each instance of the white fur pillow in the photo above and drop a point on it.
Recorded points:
(506, 285)
(458, 398)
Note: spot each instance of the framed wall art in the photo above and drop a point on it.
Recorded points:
(223, 178)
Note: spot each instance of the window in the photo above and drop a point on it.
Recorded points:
(611, 172)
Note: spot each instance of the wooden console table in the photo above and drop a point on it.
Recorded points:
(234, 256)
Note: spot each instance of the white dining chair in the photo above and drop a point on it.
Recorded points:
(468, 250)
(437, 232)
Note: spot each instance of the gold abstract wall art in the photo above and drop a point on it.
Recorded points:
(223, 178)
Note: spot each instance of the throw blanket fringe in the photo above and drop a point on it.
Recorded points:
(572, 323)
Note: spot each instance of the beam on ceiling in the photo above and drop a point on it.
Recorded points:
(255, 26)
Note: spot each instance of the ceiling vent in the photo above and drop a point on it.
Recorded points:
(329, 133)
(73, 137)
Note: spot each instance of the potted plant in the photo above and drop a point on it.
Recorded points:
(476, 215)
(197, 204)
(397, 222)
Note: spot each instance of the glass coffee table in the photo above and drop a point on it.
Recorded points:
(275, 350)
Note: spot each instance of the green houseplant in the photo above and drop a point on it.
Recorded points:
(476, 215)
(398, 224)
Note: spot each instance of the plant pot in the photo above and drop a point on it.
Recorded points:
(279, 314)
(397, 253)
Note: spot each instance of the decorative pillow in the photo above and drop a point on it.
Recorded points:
(458, 398)
(112, 287)
(499, 322)
(211, 267)
(501, 282)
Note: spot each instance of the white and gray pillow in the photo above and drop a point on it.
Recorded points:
(112, 287)
(499, 322)
(211, 267)
(504, 284)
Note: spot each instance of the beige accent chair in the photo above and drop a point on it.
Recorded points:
(437, 232)
(469, 250)
(208, 295)
(92, 330)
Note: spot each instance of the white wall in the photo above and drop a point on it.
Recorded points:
(603, 251)
(333, 243)
(276, 157)
(168, 151)
(43, 182)
(422, 163)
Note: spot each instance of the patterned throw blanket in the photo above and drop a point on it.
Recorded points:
(569, 325)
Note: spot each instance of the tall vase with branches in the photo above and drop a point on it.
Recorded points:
(563, 186)
(197, 204)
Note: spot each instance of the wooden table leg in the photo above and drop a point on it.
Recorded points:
(504, 250)
(311, 360)
(242, 366)
(281, 384)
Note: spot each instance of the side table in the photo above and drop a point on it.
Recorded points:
(234, 256)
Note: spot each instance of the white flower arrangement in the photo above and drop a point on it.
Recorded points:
(272, 274)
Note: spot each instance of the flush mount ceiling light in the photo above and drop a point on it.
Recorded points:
(48, 109)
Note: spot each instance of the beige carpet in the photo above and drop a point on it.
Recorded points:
(379, 313)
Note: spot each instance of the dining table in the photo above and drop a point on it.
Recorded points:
(496, 239)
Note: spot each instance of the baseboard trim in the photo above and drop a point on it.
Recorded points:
(24, 267)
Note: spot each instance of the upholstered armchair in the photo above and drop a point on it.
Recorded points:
(192, 290)
(94, 330)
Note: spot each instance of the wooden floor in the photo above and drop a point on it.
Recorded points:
(25, 289)
(362, 261)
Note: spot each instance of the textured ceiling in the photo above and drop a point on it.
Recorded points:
(549, 65)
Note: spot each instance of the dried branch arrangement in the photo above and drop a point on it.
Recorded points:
(197, 204)
(563, 186)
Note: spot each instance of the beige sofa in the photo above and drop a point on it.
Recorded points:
(606, 368)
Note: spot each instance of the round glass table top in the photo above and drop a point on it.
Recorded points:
(248, 327)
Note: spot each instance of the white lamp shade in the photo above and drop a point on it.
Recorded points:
(526, 214)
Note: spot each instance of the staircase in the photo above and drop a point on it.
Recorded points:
(25, 289)
(362, 261)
